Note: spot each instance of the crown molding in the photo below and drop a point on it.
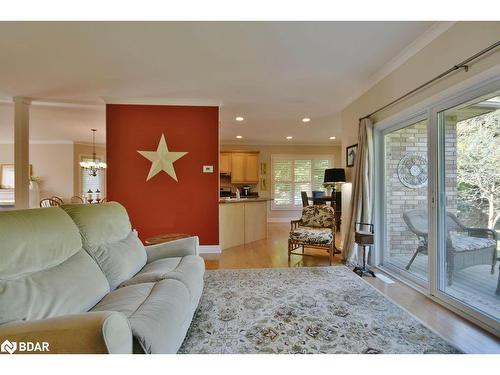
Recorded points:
(54, 142)
(163, 101)
(408, 52)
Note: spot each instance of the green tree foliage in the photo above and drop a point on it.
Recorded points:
(478, 164)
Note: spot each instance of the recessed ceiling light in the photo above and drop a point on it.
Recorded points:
(239, 136)
(239, 118)
(333, 137)
(289, 137)
(306, 119)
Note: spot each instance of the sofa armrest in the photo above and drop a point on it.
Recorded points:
(92, 332)
(177, 248)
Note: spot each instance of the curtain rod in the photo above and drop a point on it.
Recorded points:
(462, 65)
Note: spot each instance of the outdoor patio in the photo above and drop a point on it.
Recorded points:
(475, 286)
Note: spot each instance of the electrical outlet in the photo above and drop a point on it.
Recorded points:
(208, 169)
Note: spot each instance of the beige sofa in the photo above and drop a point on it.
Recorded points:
(78, 278)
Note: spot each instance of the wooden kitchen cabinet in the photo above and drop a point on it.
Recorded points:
(252, 168)
(225, 162)
(244, 168)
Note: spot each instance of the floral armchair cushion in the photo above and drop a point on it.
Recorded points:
(318, 216)
(312, 236)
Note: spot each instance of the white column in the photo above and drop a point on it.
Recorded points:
(21, 151)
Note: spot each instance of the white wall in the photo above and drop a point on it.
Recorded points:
(52, 163)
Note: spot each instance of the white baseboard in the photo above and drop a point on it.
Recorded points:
(281, 219)
(210, 249)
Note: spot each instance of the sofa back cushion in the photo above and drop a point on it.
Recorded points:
(44, 271)
(108, 237)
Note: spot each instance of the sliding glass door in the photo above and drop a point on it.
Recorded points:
(438, 216)
(469, 209)
(405, 200)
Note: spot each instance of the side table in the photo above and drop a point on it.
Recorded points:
(162, 238)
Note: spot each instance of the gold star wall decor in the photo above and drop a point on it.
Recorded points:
(162, 159)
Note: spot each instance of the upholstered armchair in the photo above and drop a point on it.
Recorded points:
(315, 229)
(465, 246)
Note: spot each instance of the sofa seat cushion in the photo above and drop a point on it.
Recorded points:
(159, 313)
(188, 269)
(312, 236)
(467, 243)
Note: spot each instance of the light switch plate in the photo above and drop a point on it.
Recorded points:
(208, 169)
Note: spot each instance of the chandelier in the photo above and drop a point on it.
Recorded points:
(93, 166)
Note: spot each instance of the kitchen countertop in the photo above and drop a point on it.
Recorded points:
(243, 200)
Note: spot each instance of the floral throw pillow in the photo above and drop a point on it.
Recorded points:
(319, 216)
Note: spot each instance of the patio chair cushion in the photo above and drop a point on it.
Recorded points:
(467, 243)
(318, 216)
(312, 236)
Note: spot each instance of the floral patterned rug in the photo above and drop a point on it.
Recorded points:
(302, 310)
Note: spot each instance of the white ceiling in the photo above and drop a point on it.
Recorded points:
(272, 73)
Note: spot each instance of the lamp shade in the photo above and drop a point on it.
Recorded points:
(334, 175)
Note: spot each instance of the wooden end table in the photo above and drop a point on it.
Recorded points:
(162, 238)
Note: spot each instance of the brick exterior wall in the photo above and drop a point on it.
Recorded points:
(399, 198)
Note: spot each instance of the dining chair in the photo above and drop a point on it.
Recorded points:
(57, 199)
(305, 199)
(318, 194)
(49, 202)
(76, 199)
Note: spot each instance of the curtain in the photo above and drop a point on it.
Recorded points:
(362, 189)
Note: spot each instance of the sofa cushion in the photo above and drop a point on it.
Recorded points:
(188, 269)
(159, 313)
(307, 235)
(44, 272)
(108, 237)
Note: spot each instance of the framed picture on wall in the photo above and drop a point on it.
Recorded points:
(7, 175)
(350, 155)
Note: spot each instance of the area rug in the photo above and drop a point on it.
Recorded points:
(302, 310)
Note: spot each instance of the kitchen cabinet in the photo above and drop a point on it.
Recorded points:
(252, 168)
(237, 168)
(225, 162)
(244, 167)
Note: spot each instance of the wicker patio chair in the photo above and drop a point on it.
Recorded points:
(465, 246)
(316, 229)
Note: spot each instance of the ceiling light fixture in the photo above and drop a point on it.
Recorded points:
(93, 166)
(333, 138)
(289, 137)
(239, 136)
(239, 118)
(306, 119)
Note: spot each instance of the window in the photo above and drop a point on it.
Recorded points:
(89, 182)
(292, 174)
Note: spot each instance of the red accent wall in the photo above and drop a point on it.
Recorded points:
(162, 205)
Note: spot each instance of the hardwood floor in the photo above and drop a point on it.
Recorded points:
(272, 253)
